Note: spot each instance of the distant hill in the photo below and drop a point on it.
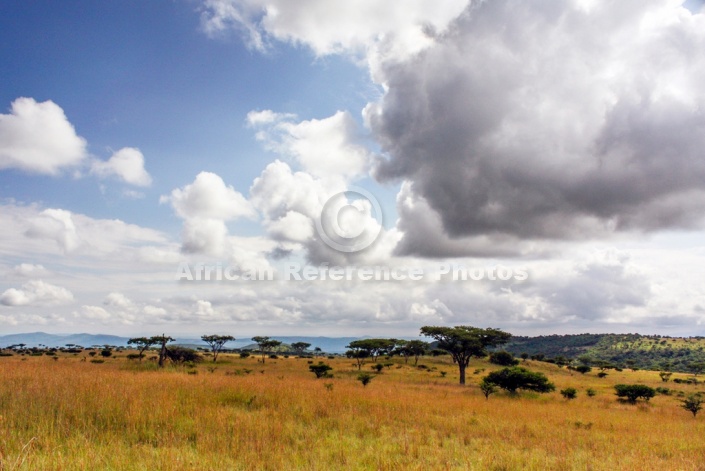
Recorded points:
(34, 339)
(650, 352)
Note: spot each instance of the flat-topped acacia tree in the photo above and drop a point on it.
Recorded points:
(463, 342)
(265, 345)
(141, 344)
(216, 343)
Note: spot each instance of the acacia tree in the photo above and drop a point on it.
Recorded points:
(411, 348)
(141, 344)
(464, 342)
(265, 345)
(161, 340)
(693, 404)
(216, 342)
(358, 353)
(375, 347)
(300, 347)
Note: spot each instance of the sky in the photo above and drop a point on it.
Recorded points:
(532, 166)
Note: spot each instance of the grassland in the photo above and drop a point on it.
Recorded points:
(69, 414)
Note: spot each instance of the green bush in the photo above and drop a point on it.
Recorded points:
(518, 377)
(320, 370)
(503, 358)
(632, 392)
(569, 393)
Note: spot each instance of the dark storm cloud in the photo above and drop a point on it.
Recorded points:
(549, 121)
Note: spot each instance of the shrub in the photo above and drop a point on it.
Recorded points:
(364, 378)
(518, 377)
(693, 403)
(632, 392)
(665, 376)
(106, 353)
(320, 370)
(590, 392)
(379, 367)
(569, 393)
(664, 391)
(582, 369)
(183, 356)
(503, 358)
(244, 354)
(487, 388)
(601, 374)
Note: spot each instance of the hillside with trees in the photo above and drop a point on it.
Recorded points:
(635, 351)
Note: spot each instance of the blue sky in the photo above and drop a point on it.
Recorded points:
(563, 140)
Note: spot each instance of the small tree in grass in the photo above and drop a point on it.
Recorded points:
(265, 345)
(582, 369)
(569, 393)
(517, 377)
(632, 392)
(320, 370)
(378, 367)
(665, 376)
(216, 343)
(141, 344)
(364, 378)
(693, 403)
(359, 354)
(487, 388)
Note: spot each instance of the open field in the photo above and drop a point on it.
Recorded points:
(69, 414)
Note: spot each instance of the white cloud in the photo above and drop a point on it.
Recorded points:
(328, 26)
(118, 300)
(127, 164)
(57, 225)
(36, 293)
(205, 205)
(29, 270)
(208, 197)
(38, 138)
(329, 147)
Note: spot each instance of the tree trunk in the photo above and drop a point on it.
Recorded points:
(461, 367)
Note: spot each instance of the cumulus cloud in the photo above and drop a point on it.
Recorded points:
(38, 138)
(29, 270)
(36, 293)
(334, 26)
(205, 206)
(118, 300)
(292, 203)
(329, 147)
(208, 197)
(558, 121)
(57, 225)
(127, 164)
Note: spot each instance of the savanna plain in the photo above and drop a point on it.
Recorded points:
(240, 414)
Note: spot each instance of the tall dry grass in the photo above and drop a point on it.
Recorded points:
(73, 415)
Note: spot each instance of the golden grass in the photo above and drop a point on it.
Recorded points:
(73, 415)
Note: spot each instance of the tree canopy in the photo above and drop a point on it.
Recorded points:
(464, 342)
(216, 342)
(517, 377)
